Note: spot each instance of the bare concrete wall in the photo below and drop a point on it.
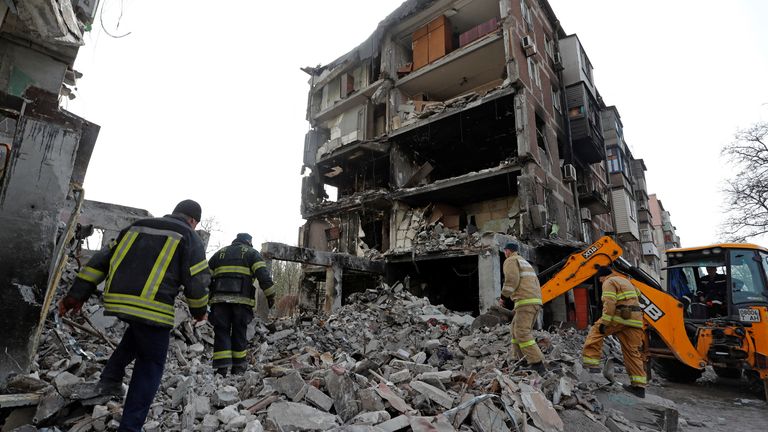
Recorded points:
(33, 194)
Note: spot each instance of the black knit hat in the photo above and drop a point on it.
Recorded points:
(189, 208)
(244, 237)
(604, 271)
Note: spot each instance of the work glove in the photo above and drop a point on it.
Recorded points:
(507, 303)
(601, 329)
(69, 303)
(270, 301)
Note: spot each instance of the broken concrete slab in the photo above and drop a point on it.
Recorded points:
(228, 413)
(433, 393)
(342, 390)
(394, 400)
(653, 411)
(487, 418)
(49, 406)
(202, 406)
(19, 400)
(224, 396)
(442, 376)
(370, 400)
(292, 416)
(18, 418)
(540, 409)
(395, 424)
(400, 376)
(318, 399)
(437, 423)
(210, 423)
(371, 418)
(292, 385)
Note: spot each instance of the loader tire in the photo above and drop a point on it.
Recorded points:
(675, 371)
(726, 372)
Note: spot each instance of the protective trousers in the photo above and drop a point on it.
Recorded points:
(523, 342)
(631, 340)
(230, 326)
(148, 346)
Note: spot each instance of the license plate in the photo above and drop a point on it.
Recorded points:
(749, 315)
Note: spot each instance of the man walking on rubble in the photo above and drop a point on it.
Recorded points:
(521, 286)
(623, 318)
(233, 296)
(143, 269)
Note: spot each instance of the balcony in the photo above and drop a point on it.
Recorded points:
(360, 97)
(593, 194)
(650, 249)
(586, 133)
(461, 71)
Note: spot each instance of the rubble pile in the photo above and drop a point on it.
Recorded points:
(387, 361)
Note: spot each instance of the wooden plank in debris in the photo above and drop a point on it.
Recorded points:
(18, 400)
(284, 252)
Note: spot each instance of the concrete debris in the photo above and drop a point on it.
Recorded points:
(429, 371)
(319, 399)
(290, 416)
(225, 396)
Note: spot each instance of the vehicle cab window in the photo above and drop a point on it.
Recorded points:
(747, 277)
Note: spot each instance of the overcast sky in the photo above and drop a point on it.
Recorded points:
(205, 100)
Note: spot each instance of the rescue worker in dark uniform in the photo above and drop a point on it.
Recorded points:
(142, 270)
(233, 296)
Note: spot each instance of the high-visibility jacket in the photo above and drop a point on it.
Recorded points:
(521, 283)
(620, 296)
(143, 269)
(235, 269)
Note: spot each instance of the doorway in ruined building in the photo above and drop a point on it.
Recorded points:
(448, 281)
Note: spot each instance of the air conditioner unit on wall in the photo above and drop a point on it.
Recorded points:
(558, 61)
(569, 173)
(529, 45)
(586, 215)
(527, 42)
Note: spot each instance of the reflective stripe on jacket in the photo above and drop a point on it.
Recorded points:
(521, 283)
(235, 269)
(143, 269)
(618, 294)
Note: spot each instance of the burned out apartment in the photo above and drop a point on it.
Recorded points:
(457, 126)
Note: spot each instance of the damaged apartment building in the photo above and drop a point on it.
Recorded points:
(44, 154)
(457, 126)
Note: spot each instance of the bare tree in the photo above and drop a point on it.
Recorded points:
(747, 192)
(286, 277)
(211, 225)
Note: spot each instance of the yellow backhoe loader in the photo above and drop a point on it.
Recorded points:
(713, 309)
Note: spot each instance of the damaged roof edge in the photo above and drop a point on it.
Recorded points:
(370, 47)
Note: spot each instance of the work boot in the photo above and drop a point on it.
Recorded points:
(222, 371)
(110, 388)
(239, 369)
(537, 367)
(635, 390)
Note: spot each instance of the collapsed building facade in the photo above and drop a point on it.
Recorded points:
(44, 154)
(457, 126)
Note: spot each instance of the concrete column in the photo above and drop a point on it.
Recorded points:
(333, 293)
(489, 274)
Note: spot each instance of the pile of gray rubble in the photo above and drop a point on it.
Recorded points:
(387, 361)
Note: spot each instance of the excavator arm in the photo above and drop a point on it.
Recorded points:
(662, 312)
